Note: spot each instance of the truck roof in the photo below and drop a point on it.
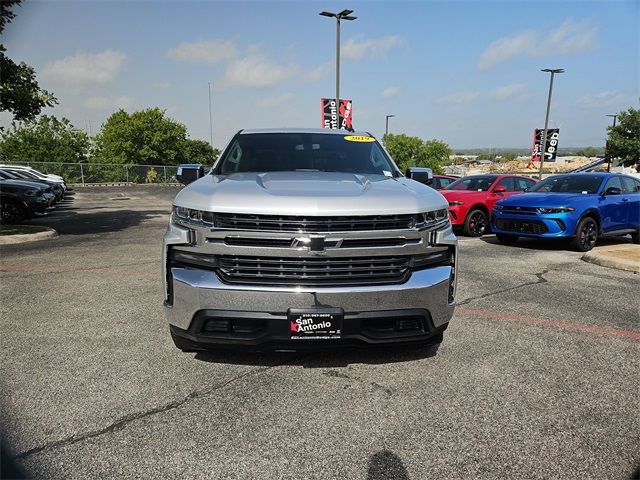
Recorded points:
(326, 131)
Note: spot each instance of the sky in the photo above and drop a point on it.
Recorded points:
(467, 72)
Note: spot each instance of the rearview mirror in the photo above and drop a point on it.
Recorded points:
(189, 172)
(613, 191)
(420, 174)
(500, 189)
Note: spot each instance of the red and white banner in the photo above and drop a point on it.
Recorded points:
(333, 117)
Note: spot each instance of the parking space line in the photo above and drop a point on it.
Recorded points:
(572, 326)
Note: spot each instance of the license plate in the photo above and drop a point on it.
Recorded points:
(316, 323)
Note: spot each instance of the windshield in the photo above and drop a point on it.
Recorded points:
(478, 183)
(22, 174)
(277, 152)
(568, 184)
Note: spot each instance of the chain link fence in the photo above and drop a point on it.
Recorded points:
(86, 173)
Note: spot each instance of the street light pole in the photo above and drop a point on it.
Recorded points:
(543, 144)
(606, 145)
(386, 128)
(210, 117)
(343, 15)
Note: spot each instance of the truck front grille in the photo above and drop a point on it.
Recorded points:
(278, 223)
(313, 271)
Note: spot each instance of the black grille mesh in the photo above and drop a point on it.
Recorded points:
(313, 271)
(280, 223)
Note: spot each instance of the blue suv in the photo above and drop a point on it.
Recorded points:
(579, 206)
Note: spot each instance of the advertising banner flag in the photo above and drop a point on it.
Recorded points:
(332, 117)
(551, 150)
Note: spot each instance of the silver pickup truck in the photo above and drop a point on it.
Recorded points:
(304, 239)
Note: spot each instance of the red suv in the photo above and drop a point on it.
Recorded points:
(471, 199)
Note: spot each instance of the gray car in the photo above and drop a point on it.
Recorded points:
(304, 239)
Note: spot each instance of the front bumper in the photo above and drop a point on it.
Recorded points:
(552, 225)
(371, 313)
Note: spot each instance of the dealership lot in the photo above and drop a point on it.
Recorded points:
(536, 377)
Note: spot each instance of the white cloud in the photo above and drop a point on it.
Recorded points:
(459, 98)
(162, 85)
(108, 103)
(569, 37)
(607, 98)
(86, 68)
(208, 52)
(271, 102)
(359, 49)
(319, 72)
(508, 91)
(256, 71)
(390, 92)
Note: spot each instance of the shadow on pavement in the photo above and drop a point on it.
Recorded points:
(552, 243)
(333, 358)
(72, 223)
(386, 465)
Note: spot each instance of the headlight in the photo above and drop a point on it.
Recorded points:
(432, 218)
(190, 216)
(555, 209)
(498, 207)
(32, 193)
(455, 203)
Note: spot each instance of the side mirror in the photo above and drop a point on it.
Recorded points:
(420, 174)
(500, 189)
(613, 191)
(189, 172)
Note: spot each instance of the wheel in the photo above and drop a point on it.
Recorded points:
(476, 223)
(11, 212)
(586, 235)
(507, 239)
(635, 236)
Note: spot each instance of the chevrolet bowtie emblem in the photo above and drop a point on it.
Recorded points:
(316, 244)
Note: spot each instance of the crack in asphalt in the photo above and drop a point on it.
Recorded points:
(124, 421)
(540, 279)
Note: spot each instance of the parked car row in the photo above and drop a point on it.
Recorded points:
(26, 192)
(580, 207)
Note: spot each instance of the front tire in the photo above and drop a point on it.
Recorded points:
(586, 235)
(11, 212)
(635, 237)
(507, 239)
(476, 223)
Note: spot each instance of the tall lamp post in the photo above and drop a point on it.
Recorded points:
(210, 117)
(606, 145)
(543, 145)
(386, 128)
(343, 15)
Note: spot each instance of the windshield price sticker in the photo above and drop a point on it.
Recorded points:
(359, 138)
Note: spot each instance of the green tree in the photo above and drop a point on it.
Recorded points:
(409, 151)
(20, 93)
(146, 137)
(46, 139)
(624, 139)
(199, 151)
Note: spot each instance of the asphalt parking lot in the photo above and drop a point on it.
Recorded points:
(537, 376)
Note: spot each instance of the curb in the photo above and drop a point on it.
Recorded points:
(609, 257)
(28, 237)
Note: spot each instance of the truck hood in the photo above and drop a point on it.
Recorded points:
(309, 193)
(534, 199)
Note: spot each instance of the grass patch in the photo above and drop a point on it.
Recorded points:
(21, 229)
